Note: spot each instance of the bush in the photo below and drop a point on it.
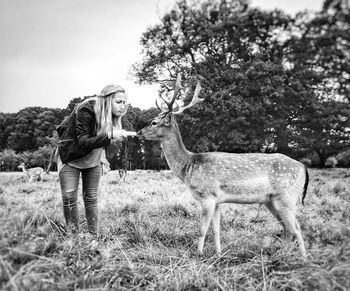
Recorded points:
(38, 158)
(41, 157)
(343, 159)
(10, 160)
(331, 162)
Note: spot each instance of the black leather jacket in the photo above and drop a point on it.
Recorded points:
(77, 134)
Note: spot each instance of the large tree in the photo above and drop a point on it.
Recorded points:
(260, 95)
(318, 53)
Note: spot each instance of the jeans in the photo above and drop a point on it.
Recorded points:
(69, 180)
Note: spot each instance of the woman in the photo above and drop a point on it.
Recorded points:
(96, 122)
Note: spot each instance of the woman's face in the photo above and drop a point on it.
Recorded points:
(119, 104)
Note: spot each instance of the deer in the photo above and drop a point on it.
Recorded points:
(105, 166)
(122, 174)
(106, 169)
(274, 180)
(33, 172)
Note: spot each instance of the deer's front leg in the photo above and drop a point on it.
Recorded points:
(208, 207)
(216, 228)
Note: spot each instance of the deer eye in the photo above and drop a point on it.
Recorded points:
(153, 123)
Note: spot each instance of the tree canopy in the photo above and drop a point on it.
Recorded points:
(271, 82)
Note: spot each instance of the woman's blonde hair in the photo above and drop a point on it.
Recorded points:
(103, 107)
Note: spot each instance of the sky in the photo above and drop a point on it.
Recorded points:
(52, 51)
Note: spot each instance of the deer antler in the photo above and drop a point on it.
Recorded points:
(195, 99)
(158, 106)
(170, 103)
(177, 89)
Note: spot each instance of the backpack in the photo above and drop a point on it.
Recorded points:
(68, 146)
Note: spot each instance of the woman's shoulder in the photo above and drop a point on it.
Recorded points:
(85, 111)
(86, 106)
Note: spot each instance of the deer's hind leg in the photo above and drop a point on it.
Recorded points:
(286, 214)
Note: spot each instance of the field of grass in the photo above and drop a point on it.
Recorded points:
(148, 235)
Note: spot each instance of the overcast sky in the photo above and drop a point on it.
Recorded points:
(54, 50)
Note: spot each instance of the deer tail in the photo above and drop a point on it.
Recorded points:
(305, 184)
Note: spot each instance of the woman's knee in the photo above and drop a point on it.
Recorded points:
(69, 181)
(69, 196)
(90, 198)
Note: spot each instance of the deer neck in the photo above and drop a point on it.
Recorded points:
(25, 171)
(175, 151)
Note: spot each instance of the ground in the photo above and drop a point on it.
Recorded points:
(148, 236)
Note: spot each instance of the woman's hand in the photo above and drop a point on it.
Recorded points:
(120, 134)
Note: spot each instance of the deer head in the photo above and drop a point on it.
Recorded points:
(164, 122)
(21, 166)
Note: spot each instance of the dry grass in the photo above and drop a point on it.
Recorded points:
(148, 237)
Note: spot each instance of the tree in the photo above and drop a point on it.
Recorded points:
(318, 53)
(320, 44)
(10, 160)
(232, 48)
(7, 125)
(22, 138)
(32, 128)
(38, 158)
(254, 81)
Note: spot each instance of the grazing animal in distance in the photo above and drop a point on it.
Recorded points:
(275, 180)
(53, 157)
(32, 172)
(106, 166)
(122, 174)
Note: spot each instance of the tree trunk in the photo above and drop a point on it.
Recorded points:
(322, 157)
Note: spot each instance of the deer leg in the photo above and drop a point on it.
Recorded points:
(293, 229)
(257, 217)
(216, 227)
(208, 207)
(286, 214)
(299, 238)
(270, 206)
